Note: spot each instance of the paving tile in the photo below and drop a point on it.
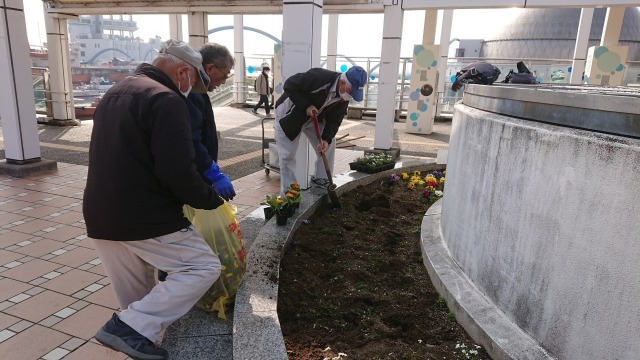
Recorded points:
(35, 197)
(56, 354)
(40, 211)
(20, 326)
(104, 297)
(40, 306)
(85, 322)
(8, 256)
(71, 282)
(61, 201)
(50, 321)
(64, 190)
(33, 343)
(64, 233)
(40, 248)
(34, 291)
(6, 334)
(31, 270)
(68, 218)
(13, 205)
(33, 226)
(12, 237)
(7, 320)
(11, 288)
(37, 186)
(87, 243)
(10, 191)
(73, 344)
(19, 298)
(76, 257)
(10, 217)
(80, 304)
(65, 313)
(56, 180)
(99, 269)
(95, 352)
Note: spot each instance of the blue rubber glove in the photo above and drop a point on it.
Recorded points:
(220, 182)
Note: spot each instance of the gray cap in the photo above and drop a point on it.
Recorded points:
(186, 53)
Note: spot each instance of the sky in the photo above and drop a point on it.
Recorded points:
(359, 35)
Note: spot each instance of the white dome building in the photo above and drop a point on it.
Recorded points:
(551, 34)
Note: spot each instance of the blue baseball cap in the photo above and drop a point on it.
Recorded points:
(358, 79)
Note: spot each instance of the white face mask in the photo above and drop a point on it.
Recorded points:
(189, 89)
(346, 96)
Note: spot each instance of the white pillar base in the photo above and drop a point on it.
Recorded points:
(18, 113)
(301, 49)
(388, 82)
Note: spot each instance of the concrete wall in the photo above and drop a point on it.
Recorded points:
(546, 222)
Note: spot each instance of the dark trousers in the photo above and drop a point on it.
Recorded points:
(264, 99)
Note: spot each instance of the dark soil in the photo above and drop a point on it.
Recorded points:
(353, 282)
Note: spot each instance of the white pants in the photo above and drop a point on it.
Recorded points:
(287, 149)
(148, 308)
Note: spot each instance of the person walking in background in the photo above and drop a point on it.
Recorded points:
(264, 90)
(326, 93)
(141, 173)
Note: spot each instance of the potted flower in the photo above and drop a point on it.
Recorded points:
(373, 163)
(294, 195)
(275, 206)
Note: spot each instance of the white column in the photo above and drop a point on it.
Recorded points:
(445, 37)
(18, 112)
(582, 45)
(388, 82)
(175, 27)
(301, 46)
(332, 42)
(198, 29)
(238, 50)
(60, 67)
(612, 26)
(430, 26)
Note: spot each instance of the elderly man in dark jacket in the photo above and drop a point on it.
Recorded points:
(324, 92)
(217, 63)
(141, 172)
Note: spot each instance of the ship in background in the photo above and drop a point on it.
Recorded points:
(103, 50)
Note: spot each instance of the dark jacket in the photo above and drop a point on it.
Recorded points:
(141, 161)
(203, 129)
(311, 88)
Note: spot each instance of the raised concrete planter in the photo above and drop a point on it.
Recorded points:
(544, 220)
(256, 328)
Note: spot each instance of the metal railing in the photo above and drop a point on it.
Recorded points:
(546, 70)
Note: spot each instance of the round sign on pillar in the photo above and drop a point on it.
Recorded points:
(426, 90)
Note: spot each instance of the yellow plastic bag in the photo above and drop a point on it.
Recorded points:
(221, 231)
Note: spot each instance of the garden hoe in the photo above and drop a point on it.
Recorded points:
(332, 187)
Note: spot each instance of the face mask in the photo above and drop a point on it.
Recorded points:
(189, 89)
(346, 96)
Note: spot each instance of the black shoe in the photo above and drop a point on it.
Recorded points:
(121, 337)
(254, 111)
(162, 275)
(323, 183)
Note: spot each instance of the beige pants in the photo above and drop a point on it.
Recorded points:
(149, 308)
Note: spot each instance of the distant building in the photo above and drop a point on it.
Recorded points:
(109, 40)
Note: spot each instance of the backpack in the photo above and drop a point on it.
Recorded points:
(523, 76)
(478, 72)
